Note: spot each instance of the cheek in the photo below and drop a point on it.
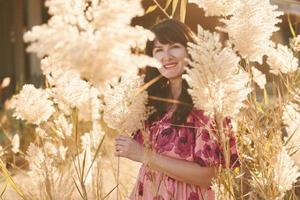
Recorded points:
(179, 54)
(158, 56)
(185, 63)
(161, 70)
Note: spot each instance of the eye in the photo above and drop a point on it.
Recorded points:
(157, 50)
(176, 46)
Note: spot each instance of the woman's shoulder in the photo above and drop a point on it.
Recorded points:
(200, 116)
(197, 116)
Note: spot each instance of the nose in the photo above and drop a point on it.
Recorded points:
(166, 55)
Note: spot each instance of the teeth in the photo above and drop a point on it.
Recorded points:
(170, 65)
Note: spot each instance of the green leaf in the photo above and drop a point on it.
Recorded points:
(174, 6)
(167, 4)
(151, 9)
(183, 10)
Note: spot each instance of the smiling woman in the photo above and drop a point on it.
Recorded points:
(169, 47)
(172, 57)
(178, 150)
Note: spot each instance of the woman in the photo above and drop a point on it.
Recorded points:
(183, 156)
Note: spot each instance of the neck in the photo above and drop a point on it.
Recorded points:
(176, 86)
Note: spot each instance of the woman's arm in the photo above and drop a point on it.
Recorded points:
(181, 170)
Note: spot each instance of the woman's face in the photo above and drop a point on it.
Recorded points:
(172, 57)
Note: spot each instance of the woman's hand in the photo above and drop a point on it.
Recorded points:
(129, 148)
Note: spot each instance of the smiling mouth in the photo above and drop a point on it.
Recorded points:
(170, 65)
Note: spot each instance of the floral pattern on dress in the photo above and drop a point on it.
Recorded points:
(194, 196)
(184, 143)
(195, 142)
(165, 140)
(141, 188)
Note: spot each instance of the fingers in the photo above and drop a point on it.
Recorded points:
(127, 147)
(121, 145)
(121, 152)
(122, 138)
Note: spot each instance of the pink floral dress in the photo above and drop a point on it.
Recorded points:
(192, 142)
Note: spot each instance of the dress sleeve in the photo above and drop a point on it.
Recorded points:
(207, 149)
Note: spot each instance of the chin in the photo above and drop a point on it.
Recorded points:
(171, 74)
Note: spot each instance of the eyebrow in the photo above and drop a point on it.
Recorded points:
(157, 46)
(160, 46)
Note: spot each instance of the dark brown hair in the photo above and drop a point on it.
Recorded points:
(168, 32)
